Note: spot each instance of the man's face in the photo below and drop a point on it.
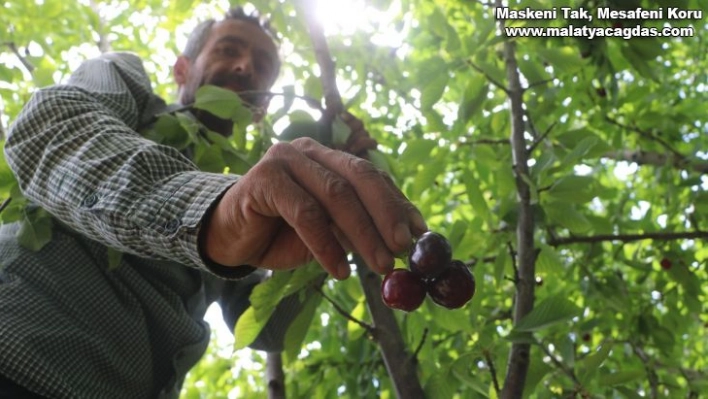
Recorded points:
(238, 56)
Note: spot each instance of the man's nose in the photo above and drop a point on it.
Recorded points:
(244, 66)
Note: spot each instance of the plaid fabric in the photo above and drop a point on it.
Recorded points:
(69, 326)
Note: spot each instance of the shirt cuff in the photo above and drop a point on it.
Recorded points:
(172, 215)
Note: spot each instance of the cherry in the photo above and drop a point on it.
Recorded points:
(586, 337)
(601, 92)
(431, 254)
(454, 287)
(665, 263)
(403, 289)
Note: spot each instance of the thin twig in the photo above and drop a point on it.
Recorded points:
(651, 374)
(543, 137)
(420, 344)
(687, 235)
(512, 253)
(492, 371)
(369, 328)
(649, 136)
(5, 204)
(491, 79)
(569, 372)
(540, 82)
(485, 141)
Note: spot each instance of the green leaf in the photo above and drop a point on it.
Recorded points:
(583, 148)
(298, 129)
(298, 329)
(169, 131)
(623, 377)
(472, 98)
(552, 310)
(565, 214)
(35, 230)
(440, 385)
(340, 131)
(209, 158)
(455, 320)
(248, 326)
(475, 195)
(218, 101)
(418, 151)
(573, 188)
(432, 79)
(587, 367)
(564, 59)
(114, 258)
(266, 295)
(313, 87)
(549, 261)
(354, 330)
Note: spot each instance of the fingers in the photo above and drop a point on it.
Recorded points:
(395, 220)
(341, 204)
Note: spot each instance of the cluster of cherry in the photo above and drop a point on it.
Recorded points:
(433, 272)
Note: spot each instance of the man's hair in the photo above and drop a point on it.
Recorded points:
(200, 34)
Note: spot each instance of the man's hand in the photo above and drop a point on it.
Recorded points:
(304, 201)
(359, 141)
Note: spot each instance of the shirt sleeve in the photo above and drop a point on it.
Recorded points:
(75, 151)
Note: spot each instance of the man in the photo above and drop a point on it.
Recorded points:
(73, 328)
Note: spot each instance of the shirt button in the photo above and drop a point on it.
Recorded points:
(172, 225)
(90, 201)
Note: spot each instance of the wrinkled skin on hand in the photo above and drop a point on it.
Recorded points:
(305, 201)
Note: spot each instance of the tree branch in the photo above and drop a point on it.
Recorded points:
(28, 65)
(651, 374)
(656, 159)
(275, 377)
(401, 366)
(686, 235)
(520, 354)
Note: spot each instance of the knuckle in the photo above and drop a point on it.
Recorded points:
(308, 214)
(362, 167)
(279, 150)
(337, 188)
(304, 143)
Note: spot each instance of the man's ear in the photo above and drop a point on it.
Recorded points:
(181, 70)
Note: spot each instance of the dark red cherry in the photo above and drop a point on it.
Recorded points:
(431, 254)
(403, 289)
(454, 287)
(666, 263)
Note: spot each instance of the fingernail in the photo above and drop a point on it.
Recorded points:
(402, 235)
(384, 260)
(419, 222)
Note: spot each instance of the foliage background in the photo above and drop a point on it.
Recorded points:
(618, 136)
